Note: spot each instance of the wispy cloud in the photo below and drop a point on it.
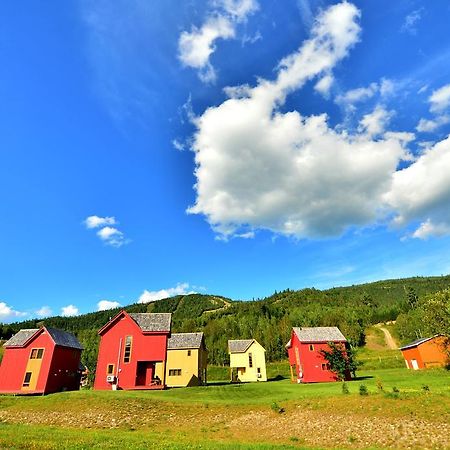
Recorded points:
(7, 313)
(411, 21)
(179, 289)
(439, 102)
(111, 236)
(196, 47)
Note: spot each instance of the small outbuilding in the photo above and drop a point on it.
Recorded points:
(307, 363)
(247, 360)
(40, 361)
(427, 352)
(186, 360)
(132, 351)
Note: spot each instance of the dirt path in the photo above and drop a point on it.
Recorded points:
(390, 342)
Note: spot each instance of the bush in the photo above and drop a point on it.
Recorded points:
(345, 388)
(363, 390)
(379, 385)
(276, 408)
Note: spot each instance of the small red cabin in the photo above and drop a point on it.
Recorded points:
(304, 350)
(40, 361)
(427, 352)
(133, 351)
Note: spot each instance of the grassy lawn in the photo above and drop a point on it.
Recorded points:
(276, 414)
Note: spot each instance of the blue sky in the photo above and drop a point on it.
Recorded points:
(231, 147)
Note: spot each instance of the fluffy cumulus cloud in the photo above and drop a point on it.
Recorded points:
(104, 305)
(45, 311)
(259, 168)
(110, 235)
(8, 314)
(196, 47)
(69, 311)
(179, 289)
(422, 191)
(440, 99)
(439, 102)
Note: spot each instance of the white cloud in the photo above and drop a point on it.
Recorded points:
(111, 236)
(96, 221)
(323, 86)
(7, 313)
(45, 311)
(428, 229)
(375, 123)
(422, 191)
(440, 99)
(196, 47)
(69, 311)
(259, 168)
(430, 125)
(104, 305)
(179, 289)
(411, 20)
(357, 95)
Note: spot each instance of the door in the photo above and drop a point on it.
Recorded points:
(144, 373)
(414, 364)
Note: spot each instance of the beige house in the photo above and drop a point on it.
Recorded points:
(186, 360)
(247, 360)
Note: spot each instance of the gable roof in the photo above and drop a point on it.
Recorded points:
(64, 338)
(60, 337)
(417, 342)
(152, 322)
(239, 345)
(319, 334)
(21, 337)
(184, 340)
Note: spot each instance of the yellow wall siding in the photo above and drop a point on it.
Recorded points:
(33, 366)
(193, 367)
(241, 362)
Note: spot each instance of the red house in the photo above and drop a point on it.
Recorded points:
(133, 352)
(40, 361)
(305, 359)
(427, 352)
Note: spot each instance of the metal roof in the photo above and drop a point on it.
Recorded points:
(152, 322)
(60, 337)
(184, 340)
(319, 334)
(417, 342)
(64, 338)
(239, 346)
(22, 336)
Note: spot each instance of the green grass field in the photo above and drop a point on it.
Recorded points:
(276, 414)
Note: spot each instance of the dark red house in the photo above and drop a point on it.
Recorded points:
(304, 349)
(40, 361)
(133, 351)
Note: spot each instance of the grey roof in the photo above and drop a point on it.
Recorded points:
(64, 338)
(20, 337)
(319, 334)
(152, 321)
(239, 346)
(417, 342)
(184, 340)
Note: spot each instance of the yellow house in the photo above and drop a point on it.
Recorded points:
(247, 360)
(186, 360)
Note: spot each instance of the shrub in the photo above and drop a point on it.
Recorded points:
(345, 388)
(425, 388)
(276, 408)
(363, 390)
(379, 385)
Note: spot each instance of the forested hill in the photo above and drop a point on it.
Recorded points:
(268, 320)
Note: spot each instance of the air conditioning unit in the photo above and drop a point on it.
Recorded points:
(110, 378)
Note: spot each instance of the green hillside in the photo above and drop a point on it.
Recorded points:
(268, 320)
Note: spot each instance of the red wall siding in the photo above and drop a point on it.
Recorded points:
(14, 363)
(150, 347)
(310, 369)
(413, 353)
(64, 370)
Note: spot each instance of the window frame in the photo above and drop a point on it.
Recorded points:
(127, 349)
(26, 383)
(311, 347)
(37, 353)
(250, 360)
(108, 367)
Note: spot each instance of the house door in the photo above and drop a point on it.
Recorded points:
(144, 373)
(414, 364)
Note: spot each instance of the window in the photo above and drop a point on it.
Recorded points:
(174, 372)
(326, 366)
(258, 370)
(127, 351)
(27, 379)
(311, 347)
(36, 353)
(250, 360)
(189, 353)
(110, 369)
